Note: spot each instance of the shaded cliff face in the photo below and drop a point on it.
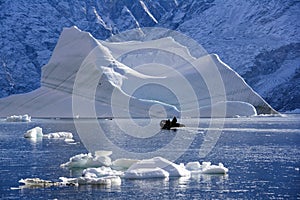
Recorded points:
(259, 39)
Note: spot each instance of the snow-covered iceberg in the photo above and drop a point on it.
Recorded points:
(59, 135)
(98, 173)
(156, 167)
(88, 160)
(104, 76)
(37, 132)
(206, 168)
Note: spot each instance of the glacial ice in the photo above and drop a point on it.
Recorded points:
(54, 97)
(19, 118)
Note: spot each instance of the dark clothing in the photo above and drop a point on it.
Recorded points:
(167, 125)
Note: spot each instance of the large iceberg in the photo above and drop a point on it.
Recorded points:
(107, 79)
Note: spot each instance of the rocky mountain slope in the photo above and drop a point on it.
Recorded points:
(259, 39)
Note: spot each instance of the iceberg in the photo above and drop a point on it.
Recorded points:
(206, 168)
(144, 173)
(101, 171)
(104, 76)
(156, 166)
(36, 132)
(87, 160)
(107, 181)
(59, 135)
(37, 182)
(19, 118)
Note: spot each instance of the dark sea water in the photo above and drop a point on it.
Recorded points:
(262, 154)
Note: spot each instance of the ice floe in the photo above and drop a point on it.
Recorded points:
(19, 118)
(37, 182)
(37, 133)
(206, 168)
(88, 160)
(151, 166)
(143, 173)
(59, 135)
(99, 170)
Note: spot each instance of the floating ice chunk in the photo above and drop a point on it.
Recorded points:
(207, 168)
(123, 163)
(173, 169)
(107, 180)
(86, 161)
(69, 140)
(68, 181)
(37, 182)
(36, 132)
(193, 166)
(18, 118)
(97, 176)
(142, 173)
(59, 135)
(100, 172)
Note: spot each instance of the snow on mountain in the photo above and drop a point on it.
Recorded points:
(258, 39)
(83, 78)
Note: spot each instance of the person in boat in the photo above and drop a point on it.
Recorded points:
(170, 124)
(174, 122)
(167, 125)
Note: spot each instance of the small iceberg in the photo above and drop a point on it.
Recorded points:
(206, 168)
(37, 182)
(59, 135)
(19, 118)
(100, 170)
(96, 176)
(156, 167)
(101, 158)
(37, 132)
(144, 173)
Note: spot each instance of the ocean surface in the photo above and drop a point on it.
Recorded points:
(261, 153)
